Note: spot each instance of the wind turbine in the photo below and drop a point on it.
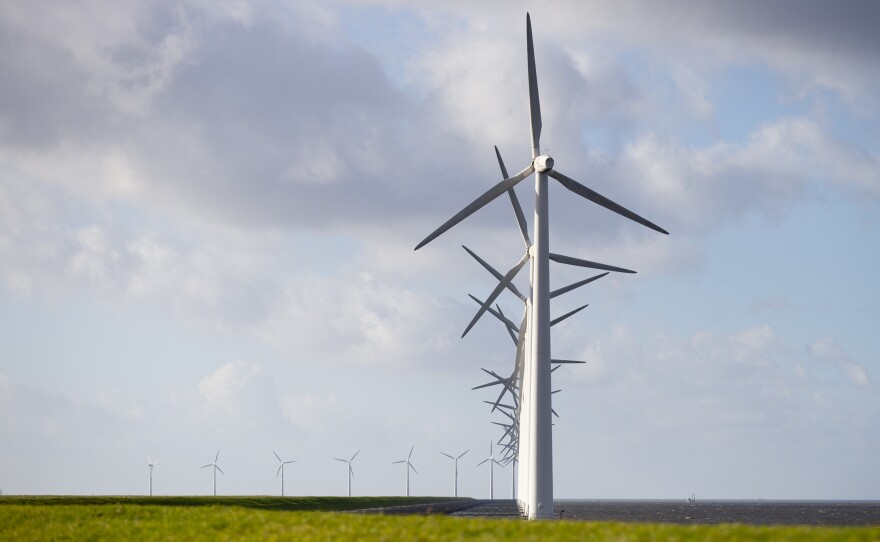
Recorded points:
(216, 467)
(281, 470)
(151, 464)
(492, 462)
(408, 466)
(350, 470)
(536, 420)
(455, 475)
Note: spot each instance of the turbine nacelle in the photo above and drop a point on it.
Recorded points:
(543, 163)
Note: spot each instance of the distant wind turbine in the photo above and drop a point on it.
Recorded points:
(350, 470)
(455, 471)
(281, 470)
(215, 468)
(408, 466)
(492, 461)
(151, 464)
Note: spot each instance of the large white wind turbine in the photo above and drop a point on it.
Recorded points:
(455, 471)
(215, 468)
(281, 469)
(408, 466)
(151, 464)
(534, 417)
(350, 470)
(492, 462)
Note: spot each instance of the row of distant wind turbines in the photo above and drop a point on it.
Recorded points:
(215, 467)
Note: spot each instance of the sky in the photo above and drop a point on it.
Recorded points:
(208, 211)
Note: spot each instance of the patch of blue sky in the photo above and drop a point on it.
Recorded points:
(393, 35)
(77, 344)
(787, 273)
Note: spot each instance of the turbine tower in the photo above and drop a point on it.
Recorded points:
(492, 461)
(281, 470)
(215, 468)
(151, 464)
(350, 470)
(408, 466)
(455, 471)
(533, 414)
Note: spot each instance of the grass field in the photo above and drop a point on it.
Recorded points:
(318, 518)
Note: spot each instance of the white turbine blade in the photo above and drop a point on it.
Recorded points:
(355, 455)
(221, 470)
(279, 470)
(497, 291)
(534, 102)
(577, 284)
(343, 460)
(396, 462)
(462, 455)
(410, 452)
(511, 327)
(276, 457)
(555, 391)
(498, 463)
(483, 461)
(478, 203)
(554, 412)
(495, 273)
(350, 470)
(566, 315)
(216, 457)
(208, 465)
(447, 455)
(599, 199)
(553, 370)
(568, 260)
(514, 201)
(486, 385)
(411, 466)
(502, 405)
(291, 461)
(565, 361)
(510, 330)
(149, 461)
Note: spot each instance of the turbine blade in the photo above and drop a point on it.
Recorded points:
(497, 291)
(462, 455)
(413, 468)
(534, 102)
(566, 315)
(510, 330)
(396, 462)
(279, 470)
(410, 452)
(478, 203)
(553, 370)
(568, 260)
(599, 199)
(355, 455)
(350, 470)
(483, 461)
(343, 460)
(208, 465)
(554, 412)
(447, 455)
(555, 391)
(216, 457)
(276, 456)
(565, 361)
(495, 274)
(511, 327)
(221, 470)
(514, 201)
(486, 385)
(577, 284)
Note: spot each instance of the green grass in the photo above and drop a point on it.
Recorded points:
(270, 518)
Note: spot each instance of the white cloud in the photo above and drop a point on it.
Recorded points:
(829, 351)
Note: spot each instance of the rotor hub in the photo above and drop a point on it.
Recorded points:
(543, 163)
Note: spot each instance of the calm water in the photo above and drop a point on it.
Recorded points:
(681, 511)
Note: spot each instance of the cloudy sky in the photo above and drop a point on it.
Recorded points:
(208, 211)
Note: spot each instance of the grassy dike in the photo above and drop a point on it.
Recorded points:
(318, 518)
